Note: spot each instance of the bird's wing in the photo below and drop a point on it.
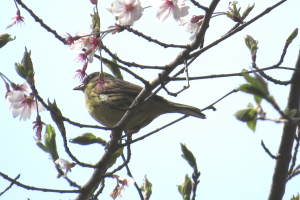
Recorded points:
(120, 86)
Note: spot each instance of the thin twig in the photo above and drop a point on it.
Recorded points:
(199, 5)
(130, 175)
(36, 188)
(268, 151)
(130, 64)
(37, 19)
(211, 106)
(129, 29)
(145, 82)
(295, 150)
(269, 78)
(230, 75)
(125, 162)
(195, 177)
(293, 174)
(100, 189)
(10, 185)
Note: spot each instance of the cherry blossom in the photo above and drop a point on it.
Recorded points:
(80, 43)
(17, 19)
(94, 2)
(126, 182)
(114, 193)
(81, 73)
(127, 11)
(193, 25)
(66, 165)
(21, 104)
(38, 127)
(167, 8)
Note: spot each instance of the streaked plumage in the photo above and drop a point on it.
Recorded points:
(107, 105)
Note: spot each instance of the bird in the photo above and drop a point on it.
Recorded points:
(107, 104)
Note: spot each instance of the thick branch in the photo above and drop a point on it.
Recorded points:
(286, 144)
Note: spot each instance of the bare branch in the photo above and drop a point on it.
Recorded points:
(129, 29)
(130, 175)
(268, 151)
(10, 185)
(199, 5)
(129, 64)
(36, 188)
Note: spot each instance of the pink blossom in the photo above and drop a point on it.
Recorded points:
(117, 28)
(70, 39)
(81, 73)
(81, 58)
(127, 11)
(192, 26)
(94, 2)
(21, 104)
(114, 193)
(126, 182)
(23, 87)
(66, 165)
(17, 19)
(101, 83)
(167, 8)
(38, 126)
(80, 43)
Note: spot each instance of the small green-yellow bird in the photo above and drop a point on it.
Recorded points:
(108, 104)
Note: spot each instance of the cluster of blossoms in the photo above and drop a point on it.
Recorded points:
(80, 41)
(129, 11)
(21, 102)
(119, 190)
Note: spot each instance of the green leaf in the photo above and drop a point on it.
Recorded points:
(50, 142)
(56, 118)
(258, 82)
(26, 61)
(247, 11)
(4, 39)
(186, 188)
(146, 188)
(252, 90)
(42, 146)
(246, 115)
(295, 197)
(252, 124)
(291, 113)
(20, 69)
(257, 99)
(114, 67)
(292, 36)
(251, 44)
(95, 21)
(114, 157)
(188, 156)
(86, 139)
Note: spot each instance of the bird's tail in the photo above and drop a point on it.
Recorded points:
(172, 107)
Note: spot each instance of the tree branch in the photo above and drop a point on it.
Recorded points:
(36, 188)
(286, 144)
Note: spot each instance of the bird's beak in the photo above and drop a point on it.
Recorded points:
(79, 87)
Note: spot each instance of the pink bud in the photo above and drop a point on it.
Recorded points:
(94, 1)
